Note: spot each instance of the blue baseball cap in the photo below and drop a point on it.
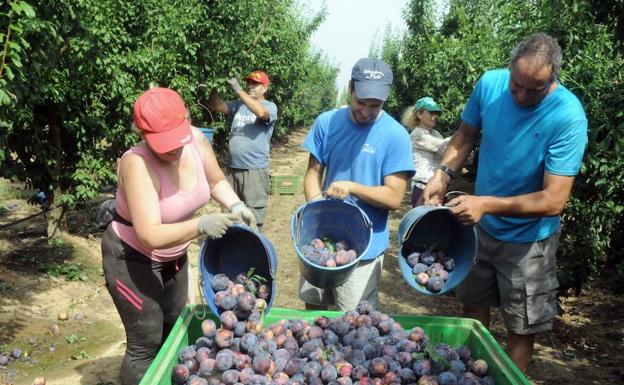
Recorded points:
(372, 79)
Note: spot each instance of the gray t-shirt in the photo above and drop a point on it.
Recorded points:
(250, 137)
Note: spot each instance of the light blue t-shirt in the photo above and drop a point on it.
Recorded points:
(364, 154)
(519, 144)
(250, 138)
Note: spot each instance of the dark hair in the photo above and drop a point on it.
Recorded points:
(542, 47)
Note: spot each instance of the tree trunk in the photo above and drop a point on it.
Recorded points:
(55, 216)
(56, 212)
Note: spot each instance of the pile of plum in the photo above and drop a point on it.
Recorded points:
(244, 295)
(431, 268)
(363, 347)
(15, 353)
(324, 252)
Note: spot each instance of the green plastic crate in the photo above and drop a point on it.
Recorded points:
(285, 184)
(451, 330)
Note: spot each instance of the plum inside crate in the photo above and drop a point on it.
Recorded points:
(285, 184)
(450, 330)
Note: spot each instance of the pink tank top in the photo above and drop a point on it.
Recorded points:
(175, 205)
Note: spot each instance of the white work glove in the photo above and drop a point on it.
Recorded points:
(235, 85)
(245, 213)
(214, 226)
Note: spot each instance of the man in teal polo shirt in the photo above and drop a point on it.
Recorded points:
(533, 135)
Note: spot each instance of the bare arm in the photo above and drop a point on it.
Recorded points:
(216, 104)
(460, 146)
(312, 182)
(458, 150)
(140, 189)
(549, 201)
(255, 106)
(388, 196)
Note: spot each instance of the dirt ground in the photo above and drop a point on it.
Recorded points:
(586, 346)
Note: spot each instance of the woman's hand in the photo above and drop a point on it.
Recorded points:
(214, 226)
(244, 212)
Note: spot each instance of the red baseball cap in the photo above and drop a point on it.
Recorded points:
(160, 114)
(258, 76)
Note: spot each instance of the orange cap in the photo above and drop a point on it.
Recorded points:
(258, 76)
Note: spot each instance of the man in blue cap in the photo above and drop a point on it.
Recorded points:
(365, 154)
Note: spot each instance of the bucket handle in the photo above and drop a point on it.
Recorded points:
(298, 219)
(299, 214)
(202, 303)
(450, 193)
(409, 231)
(272, 271)
(453, 194)
(367, 221)
(348, 200)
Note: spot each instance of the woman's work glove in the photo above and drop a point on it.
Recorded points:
(245, 213)
(235, 85)
(214, 226)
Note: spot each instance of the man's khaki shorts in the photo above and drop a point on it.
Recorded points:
(520, 278)
(362, 284)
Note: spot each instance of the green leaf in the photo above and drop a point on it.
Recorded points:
(16, 6)
(258, 279)
(4, 98)
(440, 361)
(82, 355)
(28, 10)
(9, 73)
(73, 338)
(329, 244)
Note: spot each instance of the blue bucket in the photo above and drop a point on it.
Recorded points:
(335, 219)
(437, 225)
(239, 249)
(208, 132)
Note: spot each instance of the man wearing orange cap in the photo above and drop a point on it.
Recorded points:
(253, 120)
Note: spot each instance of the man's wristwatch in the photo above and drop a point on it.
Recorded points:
(447, 170)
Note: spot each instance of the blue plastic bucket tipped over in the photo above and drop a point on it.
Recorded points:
(436, 225)
(337, 220)
(239, 249)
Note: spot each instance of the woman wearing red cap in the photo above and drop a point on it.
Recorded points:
(162, 181)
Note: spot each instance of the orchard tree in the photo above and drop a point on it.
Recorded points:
(444, 59)
(71, 71)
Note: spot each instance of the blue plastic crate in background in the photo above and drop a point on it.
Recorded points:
(209, 132)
